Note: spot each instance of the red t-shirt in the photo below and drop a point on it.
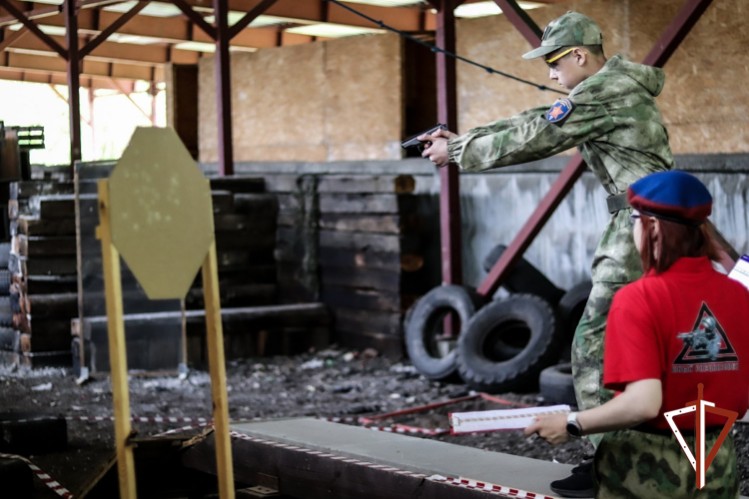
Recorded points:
(686, 326)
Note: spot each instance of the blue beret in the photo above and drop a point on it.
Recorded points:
(672, 195)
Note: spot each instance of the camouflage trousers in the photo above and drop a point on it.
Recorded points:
(615, 264)
(635, 465)
(587, 350)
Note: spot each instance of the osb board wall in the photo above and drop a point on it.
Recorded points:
(705, 102)
(342, 99)
(328, 101)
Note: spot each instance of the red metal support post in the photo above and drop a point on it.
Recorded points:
(74, 84)
(450, 234)
(223, 88)
(679, 28)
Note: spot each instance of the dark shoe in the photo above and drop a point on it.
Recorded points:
(578, 484)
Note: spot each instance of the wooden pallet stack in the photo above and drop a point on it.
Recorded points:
(355, 243)
(44, 265)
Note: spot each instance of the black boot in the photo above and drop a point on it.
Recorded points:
(578, 484)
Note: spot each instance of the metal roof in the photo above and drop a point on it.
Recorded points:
(149, 35)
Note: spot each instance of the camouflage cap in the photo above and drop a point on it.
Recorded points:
(568, 30)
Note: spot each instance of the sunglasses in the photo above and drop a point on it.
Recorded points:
(552, 61)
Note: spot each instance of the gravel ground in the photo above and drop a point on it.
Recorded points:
(327, 384)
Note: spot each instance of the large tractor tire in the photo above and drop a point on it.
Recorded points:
(507, 344)
(569, 311)
(524, 277)
(431, 351)
(555, 385)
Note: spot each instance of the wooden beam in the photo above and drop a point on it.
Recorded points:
(31, 63)
(10, 38)
(117, 52)
(112, 28)
(249, 17)
(196, 18)
(31, 25)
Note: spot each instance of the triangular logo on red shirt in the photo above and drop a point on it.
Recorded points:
(706, 342)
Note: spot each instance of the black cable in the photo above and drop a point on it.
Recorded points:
(434, 48)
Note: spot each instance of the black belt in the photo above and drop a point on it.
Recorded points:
(616, 202)
(710, 430)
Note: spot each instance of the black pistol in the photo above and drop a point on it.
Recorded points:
(419, 145)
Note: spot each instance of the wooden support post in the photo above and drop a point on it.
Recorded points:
(217, 368)
(117, 352)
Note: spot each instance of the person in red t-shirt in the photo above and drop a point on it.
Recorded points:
(680, 330)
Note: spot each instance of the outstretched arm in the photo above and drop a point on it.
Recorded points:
(640, 402)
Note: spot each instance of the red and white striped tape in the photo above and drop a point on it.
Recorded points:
(492, 488)
(47, 480)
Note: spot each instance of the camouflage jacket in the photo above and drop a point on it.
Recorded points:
(617, 128)
(615, 124)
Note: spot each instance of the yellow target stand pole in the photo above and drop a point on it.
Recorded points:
(117, 351)
(118, 359)
(217, 367)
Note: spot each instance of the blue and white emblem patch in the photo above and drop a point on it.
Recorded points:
(559, 111)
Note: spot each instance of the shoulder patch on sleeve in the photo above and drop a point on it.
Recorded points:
(560, 110)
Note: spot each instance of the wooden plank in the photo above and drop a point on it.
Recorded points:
(357, 240)
(63, 205)
(352, 203)
(60, 205)
(50, 266)
(261, 242)
(366, 258)
(232, 260)
(40, 246)
(281, 183)
(364, 278)
(395, 184)
(237, 295)
(50, 335)
(368, 321)
(28, 188)
(256, 205)
(63, 305)
(237, 184)
(345, 222)
(359, 203)
(34, 226)
(222, 201)
(49, 284)
(295, 314)
(228, 222)
(360, 299)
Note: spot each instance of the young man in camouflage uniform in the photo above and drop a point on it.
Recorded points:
(611, 117)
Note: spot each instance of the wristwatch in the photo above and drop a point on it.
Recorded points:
(573, 425)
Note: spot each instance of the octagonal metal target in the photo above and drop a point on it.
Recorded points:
(160, 212)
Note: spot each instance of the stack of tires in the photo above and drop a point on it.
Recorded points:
(503, 345)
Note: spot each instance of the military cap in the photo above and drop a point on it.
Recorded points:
(671, 195)
(568, 30)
